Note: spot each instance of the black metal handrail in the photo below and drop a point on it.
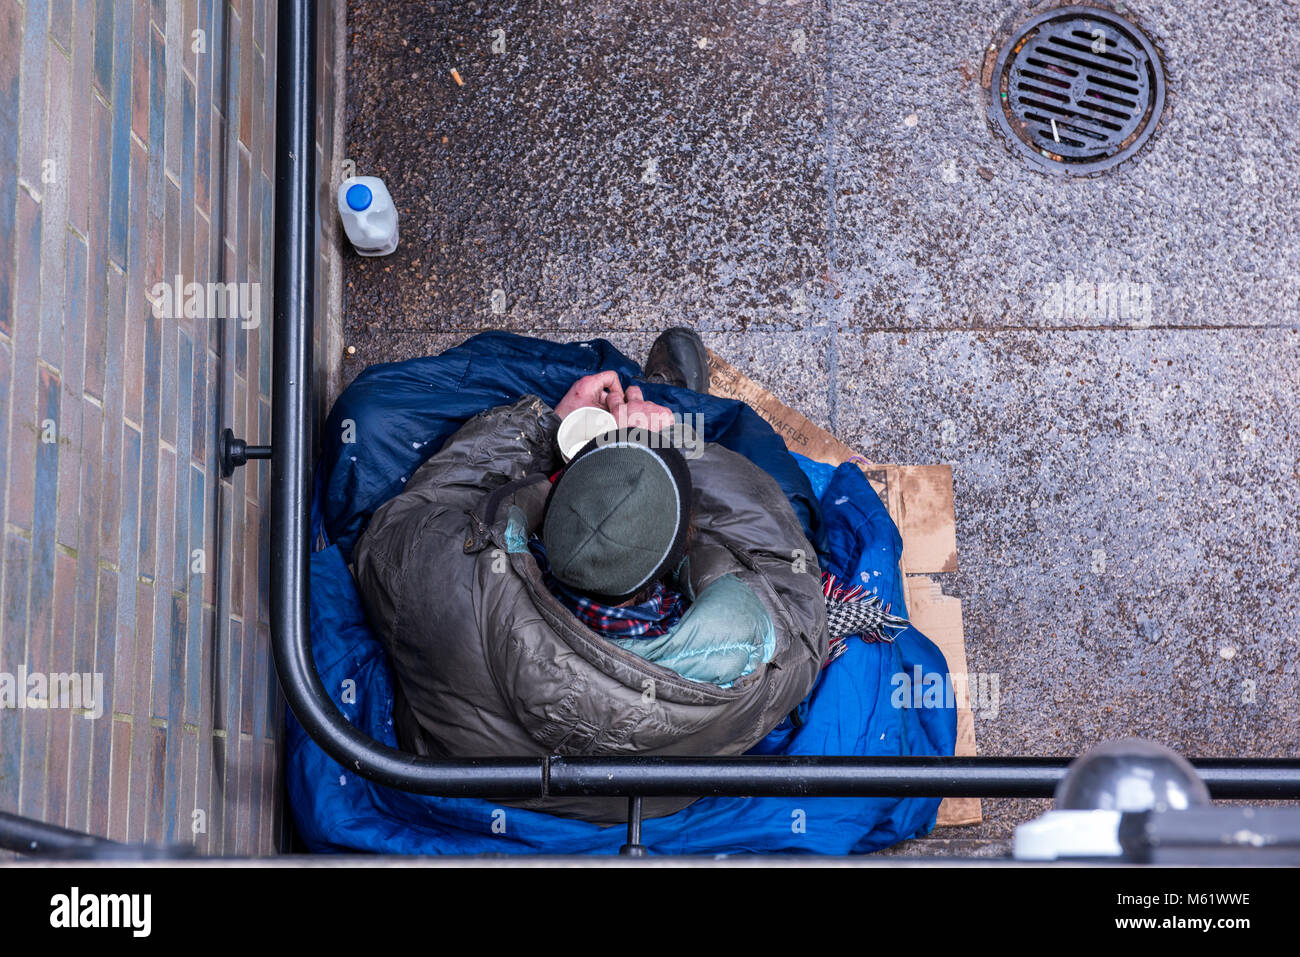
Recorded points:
(291, 489)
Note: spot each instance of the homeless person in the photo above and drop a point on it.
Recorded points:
(634, 601)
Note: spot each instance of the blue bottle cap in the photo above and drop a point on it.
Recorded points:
(358, 196)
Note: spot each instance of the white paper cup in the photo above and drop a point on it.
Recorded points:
(581, 426)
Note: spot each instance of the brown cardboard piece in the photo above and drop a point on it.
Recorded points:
(919, 498)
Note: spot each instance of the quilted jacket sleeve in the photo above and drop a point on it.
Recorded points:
(489, 450)
(492, 448)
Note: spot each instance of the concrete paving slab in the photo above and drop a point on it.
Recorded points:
(937, 225)
(604, 164)
(1127, 510)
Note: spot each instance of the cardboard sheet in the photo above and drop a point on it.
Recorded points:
(919, 498)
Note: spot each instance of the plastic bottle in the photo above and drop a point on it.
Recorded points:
(369, 216)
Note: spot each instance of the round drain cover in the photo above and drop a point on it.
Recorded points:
(1077, 89)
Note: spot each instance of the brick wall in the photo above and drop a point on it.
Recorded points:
(137, 145)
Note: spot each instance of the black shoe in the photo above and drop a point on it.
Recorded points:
(678, 358)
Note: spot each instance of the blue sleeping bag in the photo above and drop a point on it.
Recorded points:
(395, 416)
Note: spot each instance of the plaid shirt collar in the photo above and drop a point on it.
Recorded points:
(651, 618)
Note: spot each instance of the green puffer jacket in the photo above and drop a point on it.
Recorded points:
(489, 663)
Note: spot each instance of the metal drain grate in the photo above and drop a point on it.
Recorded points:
(1077, 89)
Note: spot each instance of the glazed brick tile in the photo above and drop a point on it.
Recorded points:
(92, 428)
(175, 702)
(172, 235)
(132, 319)
(184, 377)
(221, 640)
(103, 40)
(31, 103)
(176, 44)
(54, 207)
(97, 269)
(248, 56)
(23, 424)
(234, 650)
(206, 653)
(188, 121)
(268, 111)
(219, 776)
(232, 657)
(168, 387)
(6, 374)
(105, 660)
(119, 786)
(160, 795)
(35, 745)
(124, 666)
(39, 657)
(274, 698)
(254, 661)
(63, 644)
(141, 730)
(55, 810)
(242, 193)
(190, 14)
(97, 817)
(250, 782)
(140, 71)
(13, 652)
(199, 396)
(61, 23)
(213, 536)
(45, 511)
(203, 519)
(121, 199)
(163, 676)
(156, 197)
(233, 793)
(144, 649)
(258, 135)
(82, 104)
(72, 358)
(72, 363)
(253, 249)
(235, 66)
(9, 85)
(252, 761)
(263, 676)
(148, 519)
(203, 123)
(202, 262)
(80, 769)
(62, 661)
(281, 825)
(185, 798)
(216, 42)
(195, 646)
(201, 822)
(111, 499)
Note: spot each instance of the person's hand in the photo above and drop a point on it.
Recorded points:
(632, 411)
(599, 390)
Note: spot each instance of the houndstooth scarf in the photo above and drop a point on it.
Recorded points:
(851, 611)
